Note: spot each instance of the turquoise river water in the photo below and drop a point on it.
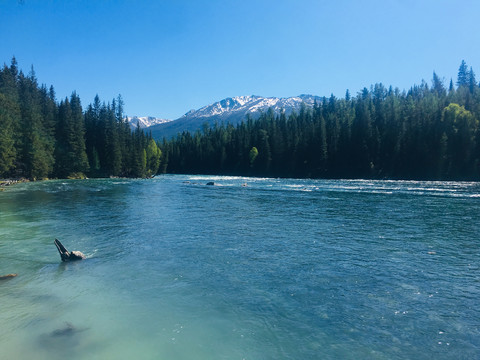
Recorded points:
(246, 269)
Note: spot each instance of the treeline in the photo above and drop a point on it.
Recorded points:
(43, 138)
(428, 132)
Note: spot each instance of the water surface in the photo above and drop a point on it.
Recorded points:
(246, 269)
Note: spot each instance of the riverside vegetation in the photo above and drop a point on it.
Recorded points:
(425, 133)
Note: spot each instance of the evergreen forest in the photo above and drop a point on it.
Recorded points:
(430, 132)
(42, 138)
(425, 133)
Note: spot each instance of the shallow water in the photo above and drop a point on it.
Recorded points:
(276, 269)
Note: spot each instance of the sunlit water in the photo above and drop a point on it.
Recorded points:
(276, 269)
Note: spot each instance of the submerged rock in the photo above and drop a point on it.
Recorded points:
(68, 330)
(63, 340)
(210, 183)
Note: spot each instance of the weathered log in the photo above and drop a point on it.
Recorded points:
(66, 255)
(8, 276)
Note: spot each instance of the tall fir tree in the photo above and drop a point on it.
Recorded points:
(7, 142)
(36, 145)
(462, 78)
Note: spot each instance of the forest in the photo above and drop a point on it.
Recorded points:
(425, 133)
(42, 138)
(430, 132)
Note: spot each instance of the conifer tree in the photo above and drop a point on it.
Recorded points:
(462, 78)
(437, 85)
(113, 155)
(36, 145)
(451, 88)
(9, 119)
(7, 142)
(64, 129)
(472, 83)
(79, 159)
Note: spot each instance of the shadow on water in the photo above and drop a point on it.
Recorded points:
(67, 341)
(64, 338)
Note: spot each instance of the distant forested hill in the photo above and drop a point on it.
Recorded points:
(43, 138)
(428, 132)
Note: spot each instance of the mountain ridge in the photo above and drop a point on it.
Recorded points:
(231, 110)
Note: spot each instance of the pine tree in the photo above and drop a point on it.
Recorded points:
(462, 79)
(7, 142)
(9, 119)
(347, 95)
(139, 160)
(113, 154)
(437, 85)
(62, 134)
(36, 145)
(472, 83)
(451, 88)
(77, 150)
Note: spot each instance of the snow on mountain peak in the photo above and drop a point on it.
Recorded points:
(144, 121)
(232, 110)
(249, 104)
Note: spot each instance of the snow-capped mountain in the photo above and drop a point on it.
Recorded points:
(242, 105)
(230, 110)
(144, 121)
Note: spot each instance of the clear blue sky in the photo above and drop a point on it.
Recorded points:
(166, 57)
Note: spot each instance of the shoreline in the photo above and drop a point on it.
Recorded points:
(4, 183)
(9, 182)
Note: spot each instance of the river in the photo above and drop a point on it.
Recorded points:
(246, 269)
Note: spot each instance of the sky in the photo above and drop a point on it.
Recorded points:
(167, 57)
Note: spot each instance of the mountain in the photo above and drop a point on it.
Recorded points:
(230, 110)
(144, 121)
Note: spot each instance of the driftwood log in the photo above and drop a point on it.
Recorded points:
(66, 255)
(8, 276)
